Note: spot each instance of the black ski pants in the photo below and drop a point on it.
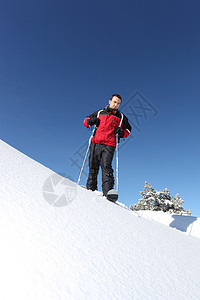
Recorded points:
(101, 155)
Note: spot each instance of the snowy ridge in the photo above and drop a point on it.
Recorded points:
(187, 224)
(59, 241)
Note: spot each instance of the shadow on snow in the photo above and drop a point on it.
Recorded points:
(182, 222)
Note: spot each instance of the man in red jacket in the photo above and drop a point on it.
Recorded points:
(109, 122)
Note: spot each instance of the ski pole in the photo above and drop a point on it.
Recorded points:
(117, 163)
(90, 139)
(117, 156)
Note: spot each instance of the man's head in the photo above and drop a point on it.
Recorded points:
(115, 101)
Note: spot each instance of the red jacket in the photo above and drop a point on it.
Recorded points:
(109, 120)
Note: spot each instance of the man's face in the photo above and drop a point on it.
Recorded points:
(115, 102)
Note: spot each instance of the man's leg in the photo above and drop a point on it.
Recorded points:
(94, 162)
(106, 166)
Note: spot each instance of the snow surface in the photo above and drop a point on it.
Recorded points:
(188, 224)
(60, 241)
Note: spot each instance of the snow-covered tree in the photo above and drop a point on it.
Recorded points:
(148, 197)
(179, 207)
(159, 201)
(163, 201)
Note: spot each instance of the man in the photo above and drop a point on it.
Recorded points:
(109, 122)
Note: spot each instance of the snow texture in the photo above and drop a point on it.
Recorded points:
(188, 224)
(60, 241)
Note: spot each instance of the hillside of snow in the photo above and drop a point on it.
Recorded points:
(187, 224)
(60, 241)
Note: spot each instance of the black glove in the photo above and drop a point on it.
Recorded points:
(94, 121)
(119, 131)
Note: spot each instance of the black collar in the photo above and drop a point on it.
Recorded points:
(111, 110)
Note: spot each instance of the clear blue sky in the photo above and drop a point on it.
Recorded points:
(61, 60)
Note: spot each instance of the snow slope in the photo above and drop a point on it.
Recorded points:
(188, 224)
(59, 241)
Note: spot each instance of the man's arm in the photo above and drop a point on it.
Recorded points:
(91, 120)
(126, 127)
